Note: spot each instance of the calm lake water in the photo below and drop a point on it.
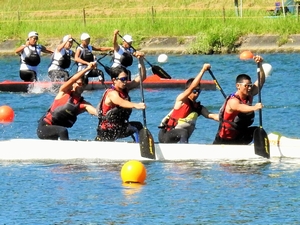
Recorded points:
(176, 192)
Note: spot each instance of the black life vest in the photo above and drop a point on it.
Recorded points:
(65, 61)
(86, 54)
(33, 58)
(116, 116)
(126, 59)
(64, 115)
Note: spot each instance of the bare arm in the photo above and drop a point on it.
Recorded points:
(102, 49)
(258, 59)
(90, 109)
(235, 105)
(136, 81)
(21, 48)
(209, 115)
(115, 43)
(46, 50)
(113, 97)
(68, 84)
(184, 95)
(62, 45)
(77, 57)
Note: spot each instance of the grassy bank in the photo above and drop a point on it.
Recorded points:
(217, 26)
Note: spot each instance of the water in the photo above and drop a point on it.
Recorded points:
(176, 192)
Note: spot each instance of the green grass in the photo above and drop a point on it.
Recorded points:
(216, 25)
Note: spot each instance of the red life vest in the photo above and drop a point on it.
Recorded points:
(231, 124)
(187, 107)
(64, 111)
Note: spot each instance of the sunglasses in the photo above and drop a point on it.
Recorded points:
(123, 79)
(196, 91)
(246, 85)
(80, 84)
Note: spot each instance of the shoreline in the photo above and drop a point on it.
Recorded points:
(175, 45)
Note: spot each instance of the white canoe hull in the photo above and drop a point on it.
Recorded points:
(37, 150)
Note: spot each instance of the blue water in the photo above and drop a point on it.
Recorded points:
(175, 192)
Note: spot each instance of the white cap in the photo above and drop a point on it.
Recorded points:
(33, 34)
(127, 38)
(84, 36)
(66, 38)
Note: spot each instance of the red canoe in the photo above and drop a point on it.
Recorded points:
(152, 81)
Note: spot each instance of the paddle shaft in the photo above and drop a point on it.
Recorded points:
(142, 96)
(217, 83)
(146, 140)
(259, 94)
(75, 41)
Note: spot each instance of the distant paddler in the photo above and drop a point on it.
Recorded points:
(123, 53)
(61, 60)
(30, 53)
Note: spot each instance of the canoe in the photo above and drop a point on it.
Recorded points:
(152, 81)
(49, 150)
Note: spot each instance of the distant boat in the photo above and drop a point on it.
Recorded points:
(152, 81)
(53, 150)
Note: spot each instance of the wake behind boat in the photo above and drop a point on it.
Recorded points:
(153, 81)
(41, 150)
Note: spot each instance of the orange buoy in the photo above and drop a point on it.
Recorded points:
(245, 55)
(6, 114)
(133, 172)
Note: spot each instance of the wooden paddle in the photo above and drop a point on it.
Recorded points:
(155, 69)
(261, 140)
(146, 140)
(217, 83)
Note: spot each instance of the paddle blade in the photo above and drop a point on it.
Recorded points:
(261, 143)
(160, 72)
(146, 144)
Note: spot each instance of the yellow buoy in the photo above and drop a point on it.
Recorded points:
(133, 172)
(6, 114)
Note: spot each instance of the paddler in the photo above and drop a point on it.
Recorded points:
(67, 105)
(123, 53)
(115, 107)
(30, 53)
(180, 123)
(237, 112)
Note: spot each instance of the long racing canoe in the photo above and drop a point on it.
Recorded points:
(152, 81)
(44, 150)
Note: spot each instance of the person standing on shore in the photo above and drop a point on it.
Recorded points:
(180, 123)
(67, 105)
(122, 57)
(237, 113)
(30, 57)
(84, 55)
(115, 107)
(61, 60)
